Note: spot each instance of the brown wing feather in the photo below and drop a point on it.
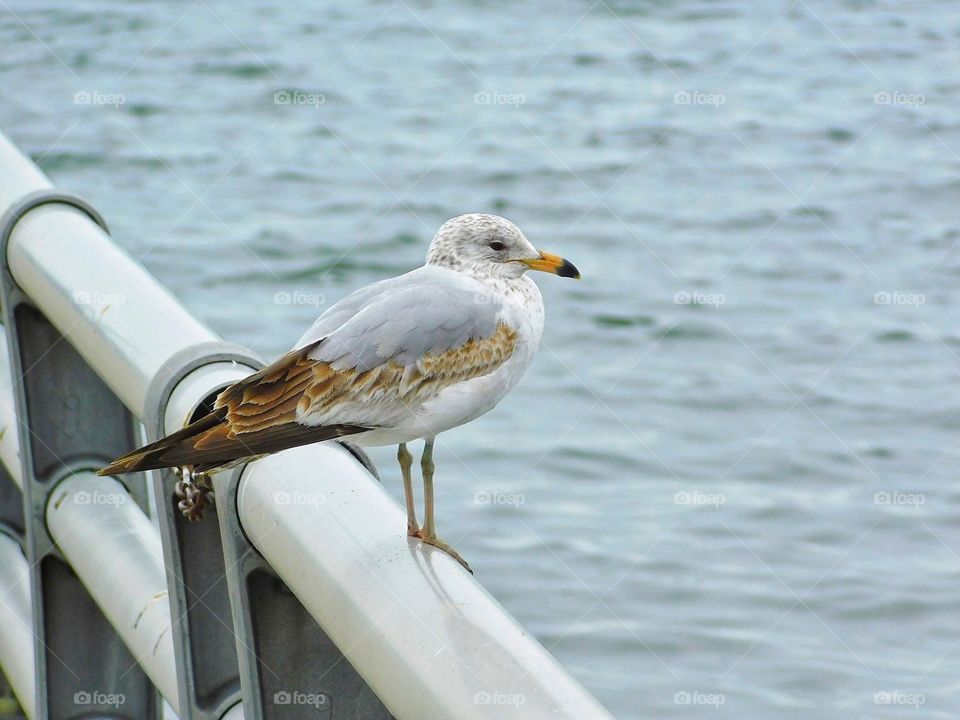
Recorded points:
(254, 416)
(263, 399)
(409, 384)
(258, 414)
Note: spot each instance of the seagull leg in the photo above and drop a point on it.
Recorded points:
(406, 462)
(429, 532)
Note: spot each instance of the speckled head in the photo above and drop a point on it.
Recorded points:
(492, 246)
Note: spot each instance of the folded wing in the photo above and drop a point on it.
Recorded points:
(382, 353)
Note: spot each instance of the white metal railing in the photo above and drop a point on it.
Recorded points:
(16, 619)
(115, 549)
(112, 546)
(16, 615)
(423, 634)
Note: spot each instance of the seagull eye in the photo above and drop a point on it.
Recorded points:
(497, 245)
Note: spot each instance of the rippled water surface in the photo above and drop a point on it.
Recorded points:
(727, 486)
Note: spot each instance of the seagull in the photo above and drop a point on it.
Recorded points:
(399, 360)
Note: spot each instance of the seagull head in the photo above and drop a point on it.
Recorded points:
(492, 246)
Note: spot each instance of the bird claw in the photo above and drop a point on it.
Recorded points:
(441, 545)
(195, 492)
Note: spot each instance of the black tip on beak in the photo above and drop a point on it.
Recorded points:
(568, 269)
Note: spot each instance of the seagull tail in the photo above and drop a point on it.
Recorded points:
(208, 443)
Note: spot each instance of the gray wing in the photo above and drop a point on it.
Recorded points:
(338, 313)
(429, 310)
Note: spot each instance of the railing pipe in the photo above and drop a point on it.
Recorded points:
(16, 614)
(429, 640)
(9, 432)
(234, 713)
(115, 550)
(16, 624)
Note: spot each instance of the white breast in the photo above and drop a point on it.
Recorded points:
(468, 400)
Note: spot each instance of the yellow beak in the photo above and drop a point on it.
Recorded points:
(552, 264)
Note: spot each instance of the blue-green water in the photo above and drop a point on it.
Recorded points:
(742, 506)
